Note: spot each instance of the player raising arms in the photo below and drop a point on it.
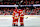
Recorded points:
(15, 17)
(16, 14)
(21, 17)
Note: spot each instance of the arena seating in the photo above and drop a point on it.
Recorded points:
(17, 2)
(27, 10)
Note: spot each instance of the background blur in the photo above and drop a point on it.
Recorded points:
(17, 2)
(28, 10)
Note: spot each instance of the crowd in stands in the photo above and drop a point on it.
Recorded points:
(26, 10)
(17, 2)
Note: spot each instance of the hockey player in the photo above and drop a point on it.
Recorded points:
(15, 17)
(21, 17)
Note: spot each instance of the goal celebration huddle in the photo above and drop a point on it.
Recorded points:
(18, 13)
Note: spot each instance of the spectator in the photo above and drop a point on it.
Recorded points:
(27, 11)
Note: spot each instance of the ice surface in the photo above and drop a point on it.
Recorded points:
(28, 22)
(32, 21)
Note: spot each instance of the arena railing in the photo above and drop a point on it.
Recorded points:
(18, 5)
